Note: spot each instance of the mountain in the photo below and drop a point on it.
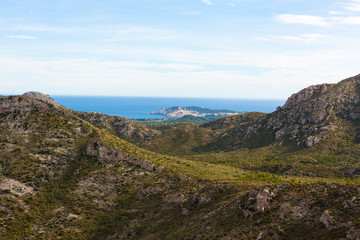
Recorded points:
(307, 118)
(119, 126)
(41, 96)
(316, 133)
(72, 175)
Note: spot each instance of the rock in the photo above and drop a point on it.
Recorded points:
(285, 211)
(299, 212)
(203, 200)
(185, 211)
(106, 153)
(312, 140)
(305, 95)
(327, 220)
(41, 96)
(174, 198)
(260, 236)
(16, 187)
(25, 104)
(263, 199)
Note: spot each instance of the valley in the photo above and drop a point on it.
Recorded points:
(290, 174)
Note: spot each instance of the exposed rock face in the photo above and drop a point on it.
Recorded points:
(24, 104)
(315, 110)
(263, 199)
(15, 187)
(305, 119)
(104, 152)
(327, 220)
(41, 96)
(51, 189)
(305, 95)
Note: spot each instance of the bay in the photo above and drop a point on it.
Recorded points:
(140, 107)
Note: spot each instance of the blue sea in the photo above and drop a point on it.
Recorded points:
(140, 107)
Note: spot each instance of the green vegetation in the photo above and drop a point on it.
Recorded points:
(209, 110)
(68, 175)
(187, 118)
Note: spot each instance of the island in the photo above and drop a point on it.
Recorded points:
(179, 112)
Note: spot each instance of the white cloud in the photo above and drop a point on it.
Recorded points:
(347, 20)
(309, 38)
(281, 74)
(336, 13)
(352, 5)
(208, 2)
(302, 19)
(316, 20)
(22, 37)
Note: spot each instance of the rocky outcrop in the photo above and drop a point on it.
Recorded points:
(263, 199)
(106, 153)
(327, 220)
(120, 126)
(41, 96)
(15, 187)
(306, 118)
(24, 104)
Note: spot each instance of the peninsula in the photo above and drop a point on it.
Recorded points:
(178, 112)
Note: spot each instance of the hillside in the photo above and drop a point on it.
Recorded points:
(119, 126)
(314, 134)
(41, 96)
(307, 117)
(73, 175)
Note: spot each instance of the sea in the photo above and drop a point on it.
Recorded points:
(140, 107)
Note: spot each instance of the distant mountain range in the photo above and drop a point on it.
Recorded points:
(179, 112)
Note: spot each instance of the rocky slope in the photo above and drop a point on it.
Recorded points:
(317, 116)
(41, 96)
(307, 118)
(120, 126)
(61, 177)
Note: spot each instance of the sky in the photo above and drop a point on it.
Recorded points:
(251, 49)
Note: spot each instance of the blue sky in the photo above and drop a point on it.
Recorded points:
(180, 48)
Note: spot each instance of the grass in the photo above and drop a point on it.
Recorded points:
(225, 177)
(211, 171)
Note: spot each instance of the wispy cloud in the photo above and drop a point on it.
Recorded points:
(317, 20)
(309, 38)
(336, 13)
(208, 2)
(352, 5)
(22, 37)
(302, 19)
(347, 20)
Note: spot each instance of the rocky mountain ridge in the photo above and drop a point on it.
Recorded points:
(306, 118)
(62, 177)
(41, 96)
